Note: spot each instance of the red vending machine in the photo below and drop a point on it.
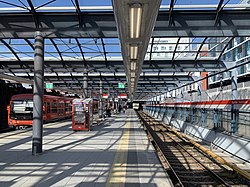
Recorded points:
(82, 114)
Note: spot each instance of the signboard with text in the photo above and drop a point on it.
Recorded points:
(121, 85)
(49, 86)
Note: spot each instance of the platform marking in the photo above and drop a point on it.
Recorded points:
(117, 173)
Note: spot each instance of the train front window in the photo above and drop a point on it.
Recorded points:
(79, 116)
(79, 108)
(22, 106)
(21, 110)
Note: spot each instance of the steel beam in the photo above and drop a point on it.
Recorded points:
(218, 10)
(188, 23)
(34, 14)
(58, 51)
(181, 65)
(175, 49)
(170, 16)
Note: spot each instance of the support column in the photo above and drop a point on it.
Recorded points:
(215, 118)
(108, 104)
(234, 110)
(38, 94)
(199, 90)
(159, 106)
(187, 115)
(182, 94)
(203, 117)
(193, 115)
(191, 96)
(85, 83)
(100, 101)
(181, 111)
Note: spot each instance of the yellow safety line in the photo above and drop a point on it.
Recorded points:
(117, 173)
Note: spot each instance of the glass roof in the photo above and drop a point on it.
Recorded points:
(188, 48)
(103, 49)
(68, 48)
(46, 5)
(109, 48)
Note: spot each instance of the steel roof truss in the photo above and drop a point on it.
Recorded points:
(224, 48)
(82, 53)
(104, 51)
(12, 4)
(34, 14)
(218, 10)
(45, 4)
(78, 10)
(58, 51)
(170, 17)
(151, 50)
(175, 49)
(197, 54)
(12, 51)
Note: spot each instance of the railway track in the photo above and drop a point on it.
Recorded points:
(185, 163)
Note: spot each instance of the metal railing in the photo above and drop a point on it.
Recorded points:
(221, 123)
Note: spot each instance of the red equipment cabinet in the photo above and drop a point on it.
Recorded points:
(82, 114)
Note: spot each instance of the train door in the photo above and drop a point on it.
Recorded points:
(60, 108)
(48, 109)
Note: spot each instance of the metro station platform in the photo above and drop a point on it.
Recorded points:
(115, 153)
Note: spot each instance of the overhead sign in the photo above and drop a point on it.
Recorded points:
(121, 85)
(49, 86)
(122, 96)
(105, 96)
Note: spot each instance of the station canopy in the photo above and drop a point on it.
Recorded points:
(186, 37)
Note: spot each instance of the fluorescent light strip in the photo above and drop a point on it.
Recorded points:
(133, 52)
(133, 66)
(135, 21)
(132, 22)
(138, 23)
(132, 75)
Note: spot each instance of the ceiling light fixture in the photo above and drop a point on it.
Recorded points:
(135, 20)
(133, 65)
(133, 52)
(132, 75)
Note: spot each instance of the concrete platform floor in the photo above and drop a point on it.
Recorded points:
(116, 153)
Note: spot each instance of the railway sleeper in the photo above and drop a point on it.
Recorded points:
(195, 176)
(200, 183)
(188, 166)
(181, 160)
(188, 172)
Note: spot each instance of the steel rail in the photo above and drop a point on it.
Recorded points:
(217, 158)
(212, 174)
(175, 179)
